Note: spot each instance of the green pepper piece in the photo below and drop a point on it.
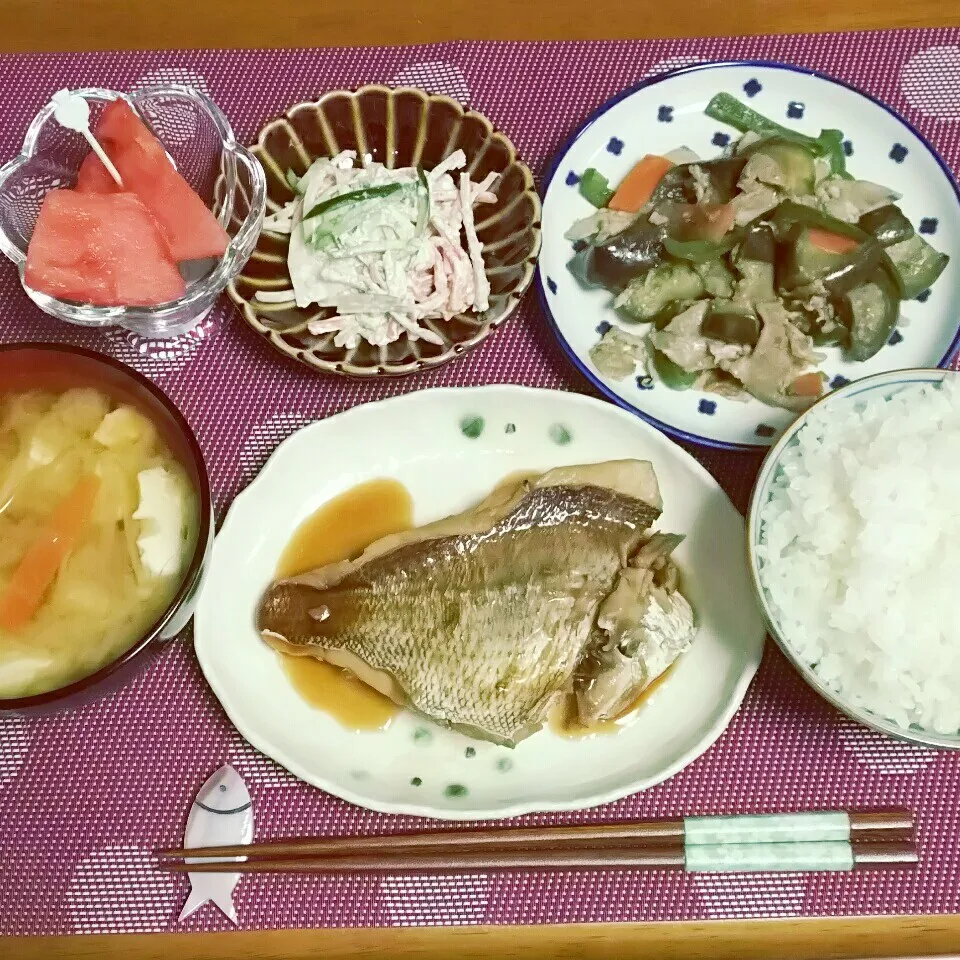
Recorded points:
(789, 214)
(355, 196)
(671, 374)
(699, 251)
(725, 108)
(595, 187)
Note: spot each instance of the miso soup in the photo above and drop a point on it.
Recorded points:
(98, 523)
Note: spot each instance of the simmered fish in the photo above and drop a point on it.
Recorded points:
(481, 621)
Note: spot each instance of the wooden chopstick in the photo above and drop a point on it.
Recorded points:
(768, 856)
(896, 825)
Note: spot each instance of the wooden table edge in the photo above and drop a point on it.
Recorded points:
(851, 938)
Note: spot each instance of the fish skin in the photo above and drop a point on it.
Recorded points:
(480, 620)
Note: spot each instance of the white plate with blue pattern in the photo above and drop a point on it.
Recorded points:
(666, 112)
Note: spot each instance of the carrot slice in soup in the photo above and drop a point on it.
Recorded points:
(831, 242)
(638, 185)
(39, 565)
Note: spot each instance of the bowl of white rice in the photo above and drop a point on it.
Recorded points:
(854, 543)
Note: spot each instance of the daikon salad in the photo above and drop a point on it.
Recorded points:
(388, 250)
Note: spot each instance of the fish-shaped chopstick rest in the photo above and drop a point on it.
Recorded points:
(221, 814)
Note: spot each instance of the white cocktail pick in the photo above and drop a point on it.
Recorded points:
(73, 112)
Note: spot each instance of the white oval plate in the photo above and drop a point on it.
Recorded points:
(666, 112)
(418, 440)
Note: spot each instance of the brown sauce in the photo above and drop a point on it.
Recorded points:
(564, 722)
(340, 530)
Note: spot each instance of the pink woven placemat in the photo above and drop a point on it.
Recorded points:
(85, 796)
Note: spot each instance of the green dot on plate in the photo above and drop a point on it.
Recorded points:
(415, 782)
(560, 434)
(471, 427)
(504, 764)
(510, 428)
(455, 790)
(422, 735)
(469, 752)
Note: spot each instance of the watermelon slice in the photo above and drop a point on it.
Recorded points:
(92, 177)
(191, 230)
(119, 125)
(103, 249)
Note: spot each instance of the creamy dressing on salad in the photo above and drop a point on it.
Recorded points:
(388, 250)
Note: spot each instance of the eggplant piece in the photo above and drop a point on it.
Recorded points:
(672, 375)
(676, 186)
(917, 264)
(718, 279)
(758, 243)
(621, 258)
(731, 326)
(646, 297)
(888, 225)
(662, 319)
(724, 175)
(793, 162)
(870, 313)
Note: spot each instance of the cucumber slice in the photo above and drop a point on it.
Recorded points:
(646, 296)
(918, 265)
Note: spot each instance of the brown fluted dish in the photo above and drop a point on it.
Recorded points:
(400, 127)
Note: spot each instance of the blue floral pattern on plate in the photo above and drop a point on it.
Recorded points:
(572, 179)
(614, 146)
(665, 114)
(898, 153)
(752, 87)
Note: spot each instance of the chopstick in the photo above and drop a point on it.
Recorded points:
(708, 858)
(877, 825)
(834, 840)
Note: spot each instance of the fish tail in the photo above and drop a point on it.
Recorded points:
(194, 902)
(222, 898)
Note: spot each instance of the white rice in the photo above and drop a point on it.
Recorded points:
(859, 552)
